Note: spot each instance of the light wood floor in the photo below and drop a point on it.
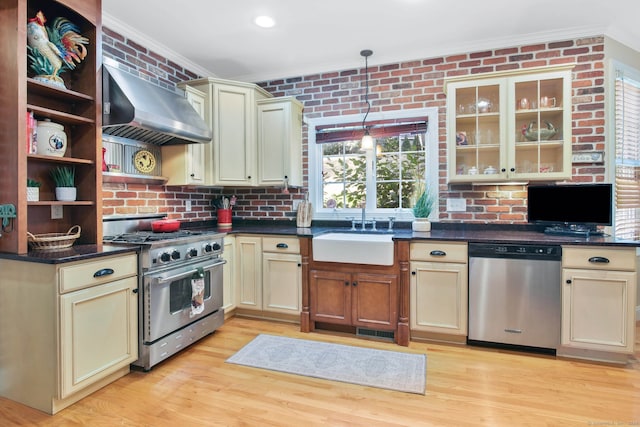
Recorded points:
(466, 386)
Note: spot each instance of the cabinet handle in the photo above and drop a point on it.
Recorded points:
(437, 253)
(355, 283)
(135, 291)
(282, 246)
(103, 272)
(599, 260)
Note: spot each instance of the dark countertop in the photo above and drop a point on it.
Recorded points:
(472, 233)
(74, 253)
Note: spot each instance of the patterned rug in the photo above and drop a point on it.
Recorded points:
(391, 370)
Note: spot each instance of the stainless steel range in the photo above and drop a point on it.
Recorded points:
(180, 285)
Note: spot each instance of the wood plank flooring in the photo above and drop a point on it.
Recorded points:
(466, 386)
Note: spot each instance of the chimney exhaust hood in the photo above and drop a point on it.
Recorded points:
(136, 109)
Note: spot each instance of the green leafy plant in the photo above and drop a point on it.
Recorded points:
(424, 205)
(32, 183)
(64, 176)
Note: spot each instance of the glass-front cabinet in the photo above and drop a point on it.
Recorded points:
(507, 127)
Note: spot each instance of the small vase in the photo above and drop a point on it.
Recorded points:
(33, 194)
(421, 224)
(66, 194)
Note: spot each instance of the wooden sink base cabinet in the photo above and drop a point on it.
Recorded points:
(346, 297)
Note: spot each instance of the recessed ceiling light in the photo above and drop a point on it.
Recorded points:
(265, 21)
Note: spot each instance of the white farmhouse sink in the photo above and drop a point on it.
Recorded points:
(376, 249)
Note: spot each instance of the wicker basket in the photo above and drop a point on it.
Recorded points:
(54, 240)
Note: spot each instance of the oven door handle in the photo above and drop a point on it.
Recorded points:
(189, 273)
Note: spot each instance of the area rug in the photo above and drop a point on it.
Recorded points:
(391, 370)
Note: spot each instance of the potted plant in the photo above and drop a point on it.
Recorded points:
(422, 209)
(64, 179)
(33, 190)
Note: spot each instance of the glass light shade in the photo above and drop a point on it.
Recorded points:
(367, 141)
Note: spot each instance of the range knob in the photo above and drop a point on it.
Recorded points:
(207, 247)
(175, 254)
(216, 246)
(192, 252)
(165, 257)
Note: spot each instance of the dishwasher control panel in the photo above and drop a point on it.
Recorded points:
(493, 250)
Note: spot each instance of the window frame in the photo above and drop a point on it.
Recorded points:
(431, 139)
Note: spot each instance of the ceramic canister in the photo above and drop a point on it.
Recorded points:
(52, 140)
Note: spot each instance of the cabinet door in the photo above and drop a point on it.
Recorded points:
(249, 255)
(476, 130)
(185, 164)
(540, 126)
(282, 282)
(229, 275)
(279, 142)
(98, 333)
(234, 140)
(438, 297)
(330, 297)
(598, 310)
(375, 300)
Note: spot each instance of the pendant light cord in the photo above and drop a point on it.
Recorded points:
(366, 53)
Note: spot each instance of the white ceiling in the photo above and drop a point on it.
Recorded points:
(219, 38)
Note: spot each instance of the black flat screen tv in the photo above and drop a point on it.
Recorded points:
(570, 207)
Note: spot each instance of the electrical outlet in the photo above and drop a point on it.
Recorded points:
(56, 212)
(187, 205)
(456, 205)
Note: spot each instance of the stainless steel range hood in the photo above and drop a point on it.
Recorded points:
(136, 109)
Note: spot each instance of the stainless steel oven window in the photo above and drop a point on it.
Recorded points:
(180, 292)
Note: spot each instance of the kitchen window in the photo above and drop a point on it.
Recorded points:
(387, 180)
(627, 153)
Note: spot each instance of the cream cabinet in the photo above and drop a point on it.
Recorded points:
(186, 164)
(599, 286)
(510, 126)
(280, 142)
(230, 110)
(269, 276)
(438, 290)
(67, 329)
(229, 276)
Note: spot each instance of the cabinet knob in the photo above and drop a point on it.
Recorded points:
(299, 265)
(135, 291)
(346, 283)
(413, 273)
(192, 175)
(568, 282)
(355, 283)
(512, 170)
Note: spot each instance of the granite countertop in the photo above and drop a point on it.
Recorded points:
(74, 253)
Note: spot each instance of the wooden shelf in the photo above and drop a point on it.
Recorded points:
(59, 116)
(40, 88)
(58, 203)
(53, 159)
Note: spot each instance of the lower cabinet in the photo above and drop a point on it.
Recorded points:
(67, 329)
(269, 276)
(598, 302)
(354, 299)
(438, 290)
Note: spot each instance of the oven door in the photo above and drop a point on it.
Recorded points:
(169, 296)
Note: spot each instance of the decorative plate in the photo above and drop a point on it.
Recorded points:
(144, 161)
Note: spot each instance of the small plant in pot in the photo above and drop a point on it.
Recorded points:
(64, 178)
(33, 190)
(421, 210)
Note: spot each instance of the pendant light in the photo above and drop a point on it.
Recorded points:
(367, 140)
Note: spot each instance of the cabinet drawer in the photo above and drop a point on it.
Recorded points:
(289, 245)
(82, 275)
(618, 258)
(439, 251)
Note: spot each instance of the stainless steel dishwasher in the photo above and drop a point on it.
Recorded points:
(515, 295)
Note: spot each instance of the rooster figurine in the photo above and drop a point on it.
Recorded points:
(531, 133)
(55, 48)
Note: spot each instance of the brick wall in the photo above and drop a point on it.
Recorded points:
(405, 85)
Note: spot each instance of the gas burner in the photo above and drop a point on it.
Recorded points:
(149, 236)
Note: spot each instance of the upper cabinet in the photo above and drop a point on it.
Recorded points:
(280, 141)
(257, 139)
(185, 164)
(74, 104)
(510, 126)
